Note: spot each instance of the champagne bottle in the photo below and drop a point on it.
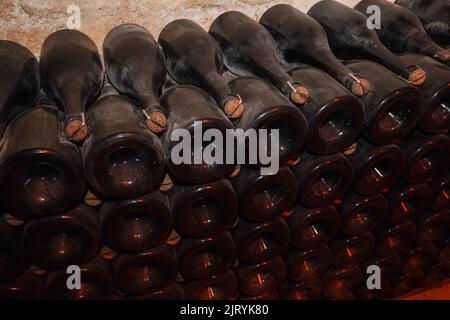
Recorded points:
(249, 49)
(194, 58)
(136, 67)
(220, 287)
(349, 37)
(28, 286)
(418, 257)
(40, 170)
(351, 250)
(72, 75)
(432, 226)
(441, 192)
(19, 81)
(393, 237)
(12, 253)
(340, 283)
(308, 264)
(405, 283)
(307, 290)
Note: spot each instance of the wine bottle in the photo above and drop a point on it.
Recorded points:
(257, 242)
(392, 107)
(263, 197)
(393, 237)
(307, 290)
(19, 81)
(145, 271)
(264, 277)
(136, 224)
(351, 250)
(418, 257)
(95, 282)
(136, 67)
(407, 201)
(266, 108)
(436, 273)
(249, 49)
(324, 180)
(200, 258)
(340, 283)
(432, 226)
(194, 58)
(28, 286)
(389, 264)
(434, 16)
(309, 264)
(220, 287)
(401, 30)
(405, 283)
(441, 192)
(62, 240)
(362, 214)
(377, 168)
(203, 210)
(187, 108)
(40, 170)
(12, 253)
(349, 38)
(313, 227)
(72, 75)
(173, 291)
(300, 38)
(122, 158)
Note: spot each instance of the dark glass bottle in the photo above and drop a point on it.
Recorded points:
(407, 201)
(122, 158)
(309, 264)
(12, 253)
(441, 192)
(351, 250)
(300, 38)
(389, 265)
(173, 291)
(146, 271)
(95, 282)
(377, 168)
(392, 238)
(434, 16)
(425, 156)
(136, 67)
(202, 210)
(136, 224)
(266, 108)
(257, 242)
(432, 226)
(436, 273)
(200, 258)
(334, 115)
(364, 293)
(249, 49)
(271, 295)
(72, 75)
(187, 108)
(392, 107)
(194, 58)
(418, 257)
(402, 31)
(405, 283)
(62, 240)
(313, 227)
(324, 180)
(307, 290)
(19, 81)
(263, 197)
(41, 171)
(220, 287)
(262, 278)
(28, 286)
(340, 283)
(349, 37)
(361, 214)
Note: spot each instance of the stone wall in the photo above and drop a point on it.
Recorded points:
(29, 22)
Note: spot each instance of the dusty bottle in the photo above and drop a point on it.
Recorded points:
(393, 237)
(136, 67)
(173, 291)
(264, 277)
(402, 31)
(192, 111)
(313, 227)
(263, 197)
(351, 250)
(300, 38)
(122, 158)
(377, 168)
(249, 49)
(72, 75)
(41, 172)
(418, 257)
(12, 253)
(389, 265)
(324, 180)
(309, 264)
(62, 240)
(194, 58)
(267, 108)
(432, 226)
(405, 283)
(361, 214)
(28, 286)
(257, 242)
(19, 81)
(441, 192)
(340, 283)
(307, 290)
(392, 107)
(145, 271)
(203, 210)
(200, 258)
(220, 287)
(136, 224)
(350, 38)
